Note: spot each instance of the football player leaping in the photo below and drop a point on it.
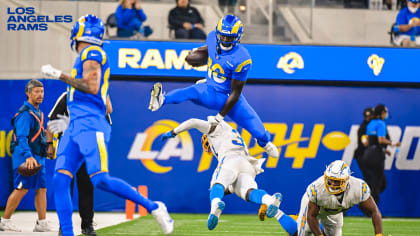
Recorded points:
(228, 66)
(236, 169)
(327, 197)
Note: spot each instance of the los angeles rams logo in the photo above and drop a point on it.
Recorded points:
(290, 61)
(142, 146)
(375, 63)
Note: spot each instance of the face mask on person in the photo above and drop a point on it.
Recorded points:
(386, 117)
(413, 9)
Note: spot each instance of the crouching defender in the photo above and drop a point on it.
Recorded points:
(325, 199)
(236, 169)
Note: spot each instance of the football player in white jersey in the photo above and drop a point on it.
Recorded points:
(236, 169)
(327, 197)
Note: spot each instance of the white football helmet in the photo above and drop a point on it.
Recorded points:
(336, 177)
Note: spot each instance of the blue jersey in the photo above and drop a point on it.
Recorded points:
(83, 105)
(376, 127)
(224, 67)
(405, 17)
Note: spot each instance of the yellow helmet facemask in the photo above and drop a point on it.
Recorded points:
(336, 177)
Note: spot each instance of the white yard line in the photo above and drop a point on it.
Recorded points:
(26, 222)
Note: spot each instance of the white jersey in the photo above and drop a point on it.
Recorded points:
(224, 140)
(357, 191)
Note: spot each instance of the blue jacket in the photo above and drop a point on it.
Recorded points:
(129, 19)
(29, 135)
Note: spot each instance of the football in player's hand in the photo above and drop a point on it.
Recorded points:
(24, 171)
(198, 57)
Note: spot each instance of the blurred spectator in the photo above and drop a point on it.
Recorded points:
(407, 25)
(130, 17)
(186, 21)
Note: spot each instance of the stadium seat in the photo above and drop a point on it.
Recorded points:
(392, 35)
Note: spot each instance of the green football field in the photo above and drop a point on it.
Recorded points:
(196, 224)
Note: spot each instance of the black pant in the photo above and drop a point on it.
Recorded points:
(372, 165)
(85, 188)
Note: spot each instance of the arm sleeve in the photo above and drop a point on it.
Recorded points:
(173, 19)
(381, 129)
(401, 19)
(365, 192)
(312, 193)
(60, 107)
(199, 18)
(23, 126)
(200, 125)
(142, 16)
(241, 70)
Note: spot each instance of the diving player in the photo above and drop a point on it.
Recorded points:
(228, 66)
(327, 197)
(87, 136)
(236, 169)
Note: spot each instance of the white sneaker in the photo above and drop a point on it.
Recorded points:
(42, 226)
(217, 206)
(162, 216)
(271, 150)
(8, 225)
(156, 97)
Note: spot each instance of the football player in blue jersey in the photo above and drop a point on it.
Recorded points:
(228, 65)
(87, 136)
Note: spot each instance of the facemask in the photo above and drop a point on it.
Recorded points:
(386, 117)
(413, 9)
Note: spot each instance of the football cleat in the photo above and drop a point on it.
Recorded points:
(156, 97)
(274, 206)
(271, 150)
(262, 213)
(162, 216)
(216, 211)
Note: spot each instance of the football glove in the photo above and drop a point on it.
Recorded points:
(59, 125)
(168, 135)
(215, 120)
(50, 72)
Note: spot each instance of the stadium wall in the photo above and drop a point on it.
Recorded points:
(312, 124)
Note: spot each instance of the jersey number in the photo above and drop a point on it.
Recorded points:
(238, 141)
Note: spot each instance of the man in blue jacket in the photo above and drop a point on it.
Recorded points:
(29, 145)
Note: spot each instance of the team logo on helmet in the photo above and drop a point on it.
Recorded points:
(89, 29)
(336, 177)
(229, 31)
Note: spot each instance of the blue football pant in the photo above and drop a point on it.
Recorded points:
(242, 113)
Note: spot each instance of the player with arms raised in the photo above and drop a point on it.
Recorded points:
(228, 65)
(87, 136)
(236, 170)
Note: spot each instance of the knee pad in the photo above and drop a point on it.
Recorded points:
(101, 180)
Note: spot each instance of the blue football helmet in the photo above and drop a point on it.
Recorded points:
(89, 29)
(229, 31)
